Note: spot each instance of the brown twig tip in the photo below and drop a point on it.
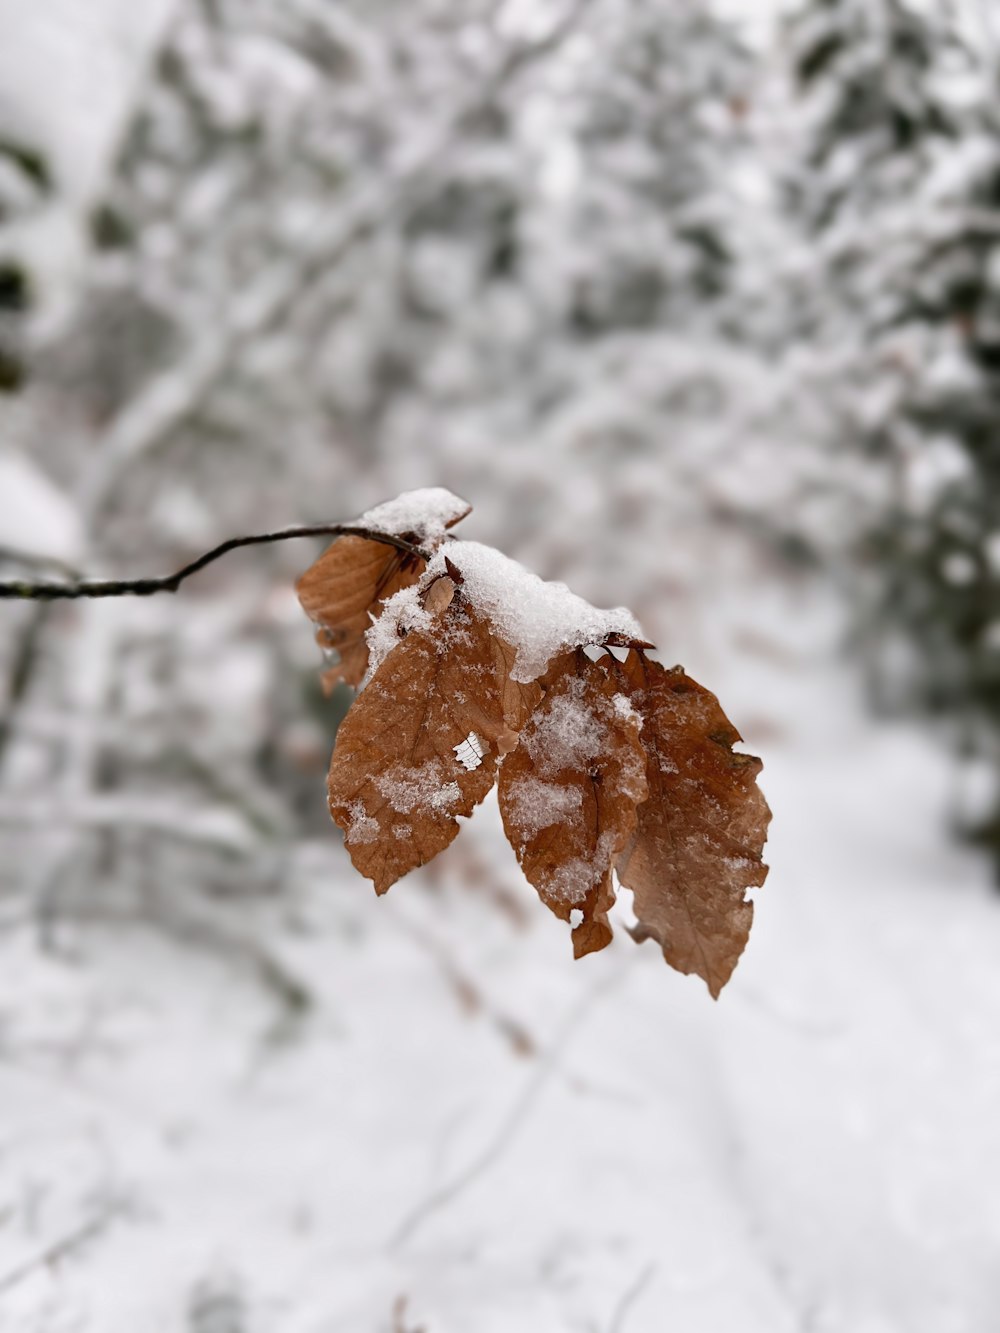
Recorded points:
(45, 590)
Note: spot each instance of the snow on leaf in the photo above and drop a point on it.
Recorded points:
(538, 618)
(701, 831)
(568, 794)
(396, 760)
(344, 591)
(426, 513)
(473, 666)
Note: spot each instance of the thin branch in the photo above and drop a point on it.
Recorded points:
(43, 591)
(468, 994)
(632, 1294)
(25, 654)
(61, 1248)
(199, 927)
(445, 1193)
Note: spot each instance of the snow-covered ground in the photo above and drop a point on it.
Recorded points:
(466, 1132)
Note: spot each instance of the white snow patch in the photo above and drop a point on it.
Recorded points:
(447, 796)
(567, 734)
(537, 618)
(571, 881)
(401, 614)
(362, 827)
(575, 918)
(536, 804)
(625, 709)
(471, 751)
(426, 513)
(408, 789)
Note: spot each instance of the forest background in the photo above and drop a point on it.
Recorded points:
(699, 307)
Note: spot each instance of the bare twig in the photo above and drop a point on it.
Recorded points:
(43, 591)
(201, 928)
(25, 654)
(629, 1298)
(196, 924)
(469, 996)
(449, 1190)
(62, 1247)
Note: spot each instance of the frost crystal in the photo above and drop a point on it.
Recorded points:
(568, 734)
(574, 879)
(537, 805)
(447, 796)
(362, 828)
(625, 709)
(407, 790)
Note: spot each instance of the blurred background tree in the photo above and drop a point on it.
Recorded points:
(342, 251)
(549, 256)
(899, 190)
(699, 309)
(24, 182)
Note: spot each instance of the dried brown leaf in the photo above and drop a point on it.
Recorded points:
(342, 592)
(603, 765)
(701, 830)
(420, 744)
(568, 793)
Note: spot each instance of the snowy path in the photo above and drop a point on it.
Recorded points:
(469, 1123)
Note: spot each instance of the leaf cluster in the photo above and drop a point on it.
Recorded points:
(604, 767)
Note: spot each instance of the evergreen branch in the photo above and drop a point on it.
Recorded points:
(44, 591)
